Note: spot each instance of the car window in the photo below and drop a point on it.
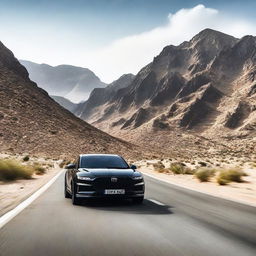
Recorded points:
(116, 162)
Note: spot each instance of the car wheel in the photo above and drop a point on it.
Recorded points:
(138, 200)
(66, 193)
(75, 200)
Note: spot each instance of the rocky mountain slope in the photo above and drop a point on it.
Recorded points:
(65, 103)
(99, 96)
(73, 83)
(200, 94)
(32, 122)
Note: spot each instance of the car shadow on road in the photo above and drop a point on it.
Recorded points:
(147, 207)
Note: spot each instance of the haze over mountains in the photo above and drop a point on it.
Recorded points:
(32, 122)
(205, 87)
(73, 83)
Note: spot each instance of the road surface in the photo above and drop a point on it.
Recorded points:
(172, 221)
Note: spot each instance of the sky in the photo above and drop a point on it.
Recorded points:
(113, 37)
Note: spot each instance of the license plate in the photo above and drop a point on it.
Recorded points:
(114, 191)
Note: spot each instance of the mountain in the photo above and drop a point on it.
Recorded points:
(198, 95)
(32, 122)
(65, 103)
(73, 83)
(99, 96)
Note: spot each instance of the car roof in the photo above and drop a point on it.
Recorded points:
(82, 155)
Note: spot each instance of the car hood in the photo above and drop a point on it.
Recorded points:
(106, 172)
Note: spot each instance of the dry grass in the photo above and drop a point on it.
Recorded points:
(180, 168)
(204, 174)
(230, 175)
(159, 167)
(13, 170)
(39, 170)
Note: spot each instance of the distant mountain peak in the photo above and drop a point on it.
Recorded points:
(72, 82)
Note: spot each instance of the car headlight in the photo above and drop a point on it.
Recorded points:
(137, 178)
(85, 178)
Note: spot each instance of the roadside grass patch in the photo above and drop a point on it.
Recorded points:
(180, 168)
(204, 174)
(64, 163)
(13, 170)
(230, 175)
(159, 167)
(39, 170)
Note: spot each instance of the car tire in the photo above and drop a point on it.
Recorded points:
(75, 200)
(66, 193)
(138, 200)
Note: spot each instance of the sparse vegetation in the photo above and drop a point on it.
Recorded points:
(203, 164)
(159, 167)
(64, 163)
(26, 158)
(180, 168)
(13, 170)
(204, 174)
(39, 170)
(230, 175)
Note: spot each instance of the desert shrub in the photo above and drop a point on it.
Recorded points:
(64, 163)
(180, 168)
(25, 158)
(159, 167)
(203, 164)
(13, 170)
(39, 170)
(230, 175)
(204, 174)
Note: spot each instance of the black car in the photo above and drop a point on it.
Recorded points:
(102, 175)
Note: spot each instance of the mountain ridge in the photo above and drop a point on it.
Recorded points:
(200, 87)
(32, 122)
(72, 82)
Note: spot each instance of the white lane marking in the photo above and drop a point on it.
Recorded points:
(206, 193)
(12, 213)
(156, 202)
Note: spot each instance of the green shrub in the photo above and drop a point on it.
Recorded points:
(230, 175)
(25, 158)
(180, 168)
(13, 170)
(204, 174)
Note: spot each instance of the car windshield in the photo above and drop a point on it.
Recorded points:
(115, 162)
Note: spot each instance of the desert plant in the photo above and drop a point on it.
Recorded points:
(204, 174)
(25, 158)
(64, 163)
(180, 168)
(39, 170)
(204, 164)
(13, 170)
(159, 167)
(230, 175)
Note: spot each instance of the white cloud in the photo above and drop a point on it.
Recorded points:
(130, 54)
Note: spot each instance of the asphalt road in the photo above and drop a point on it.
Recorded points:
(188, 223)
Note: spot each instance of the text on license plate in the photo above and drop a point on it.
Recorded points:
(114, 191)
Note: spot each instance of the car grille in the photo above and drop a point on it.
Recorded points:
(106, 183)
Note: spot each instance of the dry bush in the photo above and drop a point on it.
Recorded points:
(230, 175)
(180, 168)
(25, 158)
(39, 170)
(204, 174)
(159, 167)
(13, 170)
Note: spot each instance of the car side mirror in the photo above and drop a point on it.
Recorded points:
(133, 167)
(70, 166)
